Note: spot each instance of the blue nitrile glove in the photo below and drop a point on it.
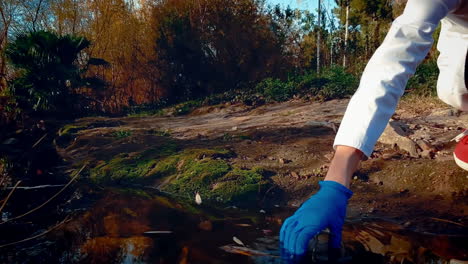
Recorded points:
(327, 208)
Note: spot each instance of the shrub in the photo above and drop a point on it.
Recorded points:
(424, 81)
(276, 90)
(48, 71)
(339, 84)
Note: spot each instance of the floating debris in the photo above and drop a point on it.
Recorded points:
(245, 251)
(244, 225)
(158, 232)
(198, 199)
(238, 241)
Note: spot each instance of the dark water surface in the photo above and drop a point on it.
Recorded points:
(137, 227)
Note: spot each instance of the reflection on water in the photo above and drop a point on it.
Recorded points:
(141, 228)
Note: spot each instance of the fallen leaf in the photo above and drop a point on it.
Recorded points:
(205, 225)
(245, 251)
(184, 256)
(243, 225)
(198, 199)
(238, 241)
(158, 232)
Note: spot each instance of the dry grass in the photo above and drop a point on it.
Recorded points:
(418, 105)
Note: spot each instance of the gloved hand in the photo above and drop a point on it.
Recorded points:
(327, 208)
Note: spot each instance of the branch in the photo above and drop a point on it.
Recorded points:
(46, 202)
(9, 195)
(36, 187)
(36, 236)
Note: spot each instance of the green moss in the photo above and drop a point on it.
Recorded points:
(122, 134)
(125, 168)
(185, 173)
(71, 129)
(239, 185)
(213, 178)
(67, 133)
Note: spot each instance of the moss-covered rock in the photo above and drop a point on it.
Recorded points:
(184, 173)
(67, 133)
(133, 167)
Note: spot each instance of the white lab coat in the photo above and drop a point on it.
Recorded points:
(387, 72)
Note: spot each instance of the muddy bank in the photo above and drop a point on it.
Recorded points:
(127, 226)
(288, 143)
(409, 196)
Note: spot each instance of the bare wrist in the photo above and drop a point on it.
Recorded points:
(344, 164)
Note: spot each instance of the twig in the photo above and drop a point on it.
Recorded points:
(39, 141)
(36, 187)
(2, 179)
(448, 221)
(8, 196)
(50, 199)
(36, 236)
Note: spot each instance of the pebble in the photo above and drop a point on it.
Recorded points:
(457, 261)
(295, 175)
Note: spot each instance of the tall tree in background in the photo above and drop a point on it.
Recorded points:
(206, 46)
(319, 14)
(346, 2)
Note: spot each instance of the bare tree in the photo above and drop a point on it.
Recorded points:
(346, 33)
(318, 34)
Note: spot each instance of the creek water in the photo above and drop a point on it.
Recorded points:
(139, 227)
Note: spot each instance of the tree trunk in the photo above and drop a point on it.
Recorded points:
(318, 35)
(346, 34)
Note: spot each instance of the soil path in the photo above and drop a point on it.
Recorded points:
(411, 179)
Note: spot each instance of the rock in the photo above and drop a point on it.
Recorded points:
(234, 128)
(283, 161)
(457, 261)
(426, 154)
(205, 225)
(424, 145)
(10, 141)
(329, 156)
(395, 135)
(331, 125)
(442, 112)
(295, 175)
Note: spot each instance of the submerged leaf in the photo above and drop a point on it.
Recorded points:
(238, 241)
(198, 199)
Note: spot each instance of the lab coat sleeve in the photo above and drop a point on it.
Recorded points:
(387, 72)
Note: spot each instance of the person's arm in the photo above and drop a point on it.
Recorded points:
(387, 72)
(344, 164)
(368, 112)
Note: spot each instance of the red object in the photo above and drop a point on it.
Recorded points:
(460, 153)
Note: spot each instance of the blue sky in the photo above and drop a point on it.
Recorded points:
(302, 4)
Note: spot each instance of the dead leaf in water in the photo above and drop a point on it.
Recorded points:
(205, 225)
(245, 251)
(244, 225)
(238, 241)
(184, 256)
(198, 199)
(158, 232)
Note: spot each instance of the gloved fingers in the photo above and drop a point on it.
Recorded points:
(302, 238)
(285, 228)
(288, 242)
(335, 235)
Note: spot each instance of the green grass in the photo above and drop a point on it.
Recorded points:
(122, 134)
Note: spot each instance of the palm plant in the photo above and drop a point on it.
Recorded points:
(48, 70)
